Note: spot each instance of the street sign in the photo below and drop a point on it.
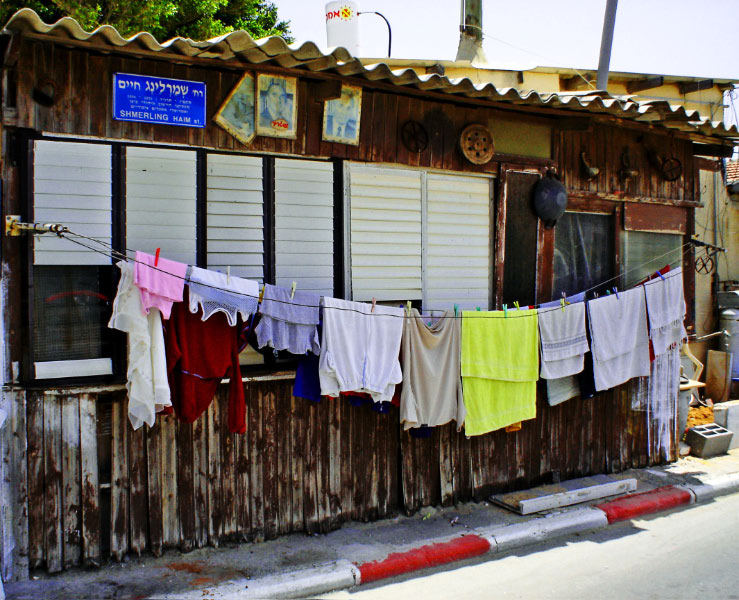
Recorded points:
(158, 100)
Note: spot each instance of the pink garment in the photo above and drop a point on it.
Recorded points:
(160, 287)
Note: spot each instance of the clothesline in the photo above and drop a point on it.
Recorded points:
(117, 254)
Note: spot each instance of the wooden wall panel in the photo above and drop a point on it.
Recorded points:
(302, 466)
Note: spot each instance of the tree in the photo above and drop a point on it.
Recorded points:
(164, 19)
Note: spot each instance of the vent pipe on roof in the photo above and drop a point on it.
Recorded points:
(470, 28)
(606, 42)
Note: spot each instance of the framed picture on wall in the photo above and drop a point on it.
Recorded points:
(341, 116)
(237, 113)
(277, 106)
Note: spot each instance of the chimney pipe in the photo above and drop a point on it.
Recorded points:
(470, 28)
(606, 42)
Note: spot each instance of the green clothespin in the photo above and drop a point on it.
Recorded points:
(477, 308)
(456, 310)
(608, 292)
(505, 311)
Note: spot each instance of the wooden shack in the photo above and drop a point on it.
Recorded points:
(399, 215)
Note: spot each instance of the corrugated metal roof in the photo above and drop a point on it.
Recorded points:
(732, 171)
(239, 46)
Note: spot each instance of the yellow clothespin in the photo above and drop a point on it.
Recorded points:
(292, 290)
(374, 301)
(515, 303)
(228, 275)
(408, 307)
(261, 294)
(562, 302)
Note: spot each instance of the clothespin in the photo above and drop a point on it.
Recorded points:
(374, 301)
(662, 277)
(562, 302)
(228, 275)
(515, 303)
(156, 257)
(564, 299)
(261, 294)
(408, 307)
(608, 292)
(615, 291)
(505, 311)
(456, 310)
(292, 290)
(477, 308)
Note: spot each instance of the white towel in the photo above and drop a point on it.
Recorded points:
(563, 341)
(666, 307)
(619, 339)
(217, 292)
(564, 388)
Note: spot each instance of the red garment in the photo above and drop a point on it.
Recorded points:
(200, 354)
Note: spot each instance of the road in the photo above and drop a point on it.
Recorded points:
(691, 552)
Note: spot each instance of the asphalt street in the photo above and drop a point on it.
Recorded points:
(690, 552)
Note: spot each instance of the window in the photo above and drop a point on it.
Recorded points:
(644, 252)
(583, 252)
(419, 236)
(72, 286)
(265, 218)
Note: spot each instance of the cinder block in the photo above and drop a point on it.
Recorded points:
(726, 414)
(708, 440)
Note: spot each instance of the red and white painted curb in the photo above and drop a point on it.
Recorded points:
(345, 574)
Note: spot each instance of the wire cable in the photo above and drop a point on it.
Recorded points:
(113, 253)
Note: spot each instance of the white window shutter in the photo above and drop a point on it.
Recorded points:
(235, 215)
(304, 225)
(72, 186)
(458, 242)
(161, 202)
(385, 230)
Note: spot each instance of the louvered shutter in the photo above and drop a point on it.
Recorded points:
(457, 242)
(385, 229)
(72, 186)
(304, 225)
(160, 202)
(235, 215)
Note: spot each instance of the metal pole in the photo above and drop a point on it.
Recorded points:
(389, 30)
(606, 42)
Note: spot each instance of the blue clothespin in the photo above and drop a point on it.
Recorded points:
(615, 291)
(505, 311)
(661, 276)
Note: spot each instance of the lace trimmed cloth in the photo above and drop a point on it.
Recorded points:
(148, 388)
(666, 310)
(289, 323)
(216, 292)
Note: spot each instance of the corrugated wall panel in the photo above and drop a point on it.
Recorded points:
(160, 202)
(458, 242)
(235, 213)
(72, 186)
(304, 225)
(386, 234)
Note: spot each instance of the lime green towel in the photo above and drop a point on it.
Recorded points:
(500, 366)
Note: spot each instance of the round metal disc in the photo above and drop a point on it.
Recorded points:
(476, 143)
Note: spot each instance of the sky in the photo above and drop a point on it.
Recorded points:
(669, 37)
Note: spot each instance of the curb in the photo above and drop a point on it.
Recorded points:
(344, 574)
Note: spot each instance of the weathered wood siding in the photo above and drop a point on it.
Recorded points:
(84, 107)
(98, 490)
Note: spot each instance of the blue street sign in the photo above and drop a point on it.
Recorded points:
(158, 100)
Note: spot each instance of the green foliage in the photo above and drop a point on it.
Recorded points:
(164, 19)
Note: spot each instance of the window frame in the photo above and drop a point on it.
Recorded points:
(26, 141)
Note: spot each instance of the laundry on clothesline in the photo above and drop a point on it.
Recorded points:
(160, 281)
(289, 320)
(213, 292)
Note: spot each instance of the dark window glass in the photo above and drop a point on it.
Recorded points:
(583, 252)
(71, 309)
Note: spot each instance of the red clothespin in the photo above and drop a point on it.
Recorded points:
(374, 301)
(156, 257)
